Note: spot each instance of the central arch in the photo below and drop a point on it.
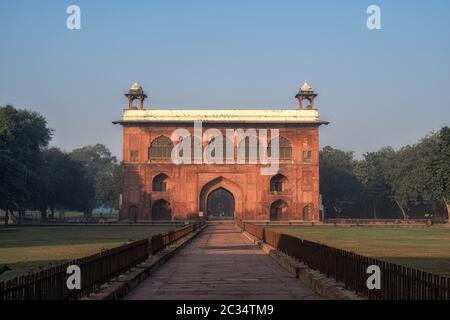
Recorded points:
(220, 204)
(228, 186)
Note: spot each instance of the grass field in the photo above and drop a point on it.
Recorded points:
(28, 248)
(425, 249)
(36, 215)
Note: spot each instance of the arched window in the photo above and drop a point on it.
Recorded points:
(307, 211)
(195, 143)
(285, 149)
(227, 148)
(161, 210)
(250, 147)
(278, 210)
(159, 183)
(160, 149)
(278, 183)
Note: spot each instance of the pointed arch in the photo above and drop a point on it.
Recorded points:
(220, 203)
(230, 186)
(161, 210)
(160, 149)
(285, 149)
(227, 150)
(194, 142)
(160, 183)
(307, 212)
(248, 149)
(278, 183)
(279, 210)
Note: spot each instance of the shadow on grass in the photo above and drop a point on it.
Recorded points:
(68, 235)
(22, 268)
(436, 265)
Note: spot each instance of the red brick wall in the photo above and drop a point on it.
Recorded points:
(250, 189)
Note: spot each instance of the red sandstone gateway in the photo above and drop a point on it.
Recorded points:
(155, 188)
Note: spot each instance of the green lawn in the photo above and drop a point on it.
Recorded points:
(425, 249)
(29, 248)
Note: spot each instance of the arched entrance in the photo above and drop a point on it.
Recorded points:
(220, 204)
(278, 210)
(230, 188)
(161, 210)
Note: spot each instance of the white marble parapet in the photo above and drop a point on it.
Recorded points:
(238, 115)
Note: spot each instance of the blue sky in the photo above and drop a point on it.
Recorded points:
(377, 88)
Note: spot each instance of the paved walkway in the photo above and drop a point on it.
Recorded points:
(221, 264)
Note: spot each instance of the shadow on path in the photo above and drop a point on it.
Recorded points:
(221, 264)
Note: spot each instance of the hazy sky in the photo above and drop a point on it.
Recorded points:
(377, 88)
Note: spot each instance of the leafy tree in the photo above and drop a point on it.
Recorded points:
(62, 184)
(409, 173)
(338, 185)
(23, 134)
(397, 174)
(109, 187)
(440, 168)
(370, 173)
(105, 173)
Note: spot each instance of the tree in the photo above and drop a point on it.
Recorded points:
(102, 168)
(397, 174)
(370, 173)
(109, 187)
(23, 134)
(62, 184)
(338, 185)
(440, 168)
(410, 172)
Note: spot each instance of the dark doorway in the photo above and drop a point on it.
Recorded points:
(161, 210)
(220, 204)
(278, 210)
(132, 214)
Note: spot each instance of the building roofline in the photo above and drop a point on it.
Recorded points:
(223, 116)
(142, 122)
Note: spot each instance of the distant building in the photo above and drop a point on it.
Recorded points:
(156, 188)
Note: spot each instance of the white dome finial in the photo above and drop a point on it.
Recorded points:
(306, 87)
(136, 86)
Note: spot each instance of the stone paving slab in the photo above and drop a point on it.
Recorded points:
(221, 264)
